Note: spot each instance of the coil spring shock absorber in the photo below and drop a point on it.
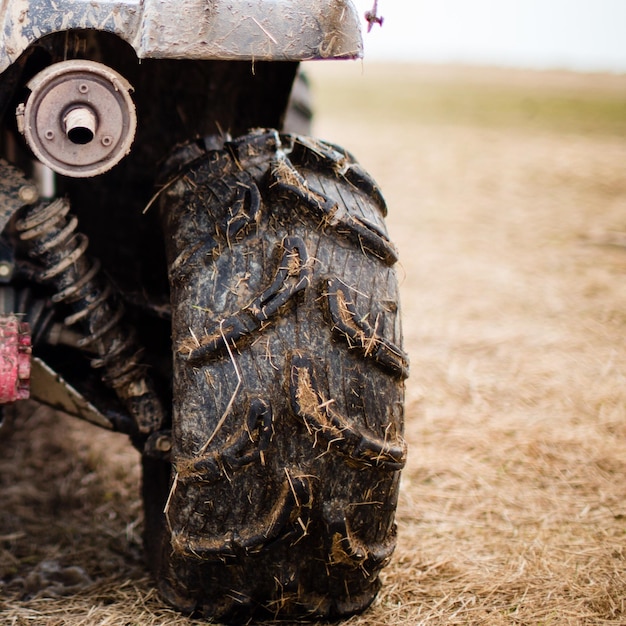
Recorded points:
(49, 233)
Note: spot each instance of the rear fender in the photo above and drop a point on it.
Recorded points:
(263, 30)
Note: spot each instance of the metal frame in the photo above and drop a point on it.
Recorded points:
(284, 30)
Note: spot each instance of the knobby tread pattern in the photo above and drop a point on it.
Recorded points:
(371, 239)
(288, 383)
(358, 333)
(326, 424)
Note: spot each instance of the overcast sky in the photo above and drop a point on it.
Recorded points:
(586, 35)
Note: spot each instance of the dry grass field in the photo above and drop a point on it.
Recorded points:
(507, 199)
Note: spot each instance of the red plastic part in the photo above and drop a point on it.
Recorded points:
(15, 355)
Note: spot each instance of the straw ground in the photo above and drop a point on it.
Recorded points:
(507, 200)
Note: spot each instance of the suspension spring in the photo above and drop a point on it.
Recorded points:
(48, 230)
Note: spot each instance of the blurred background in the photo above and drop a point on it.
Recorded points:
(584, 35)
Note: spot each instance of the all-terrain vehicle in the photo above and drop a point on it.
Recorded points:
(174, 267)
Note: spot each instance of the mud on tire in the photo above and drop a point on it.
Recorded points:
(288, 384)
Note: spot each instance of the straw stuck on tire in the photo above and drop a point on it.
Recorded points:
(288, 384)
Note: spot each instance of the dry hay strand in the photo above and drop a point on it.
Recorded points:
(511, 526)
(109, 603)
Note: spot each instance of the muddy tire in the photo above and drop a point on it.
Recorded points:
(288, 385)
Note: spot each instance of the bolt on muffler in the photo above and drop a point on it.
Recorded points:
(79, 118)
